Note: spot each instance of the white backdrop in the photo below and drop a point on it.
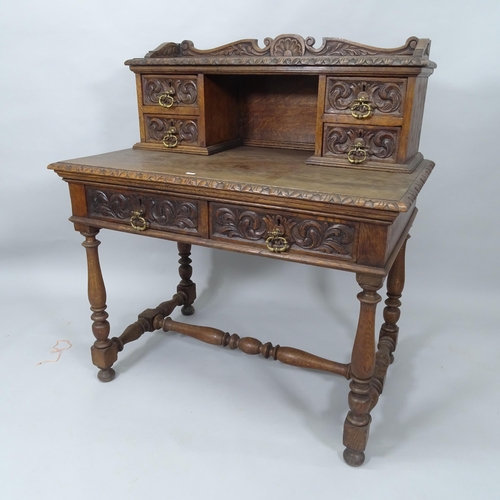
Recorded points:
(65, 93)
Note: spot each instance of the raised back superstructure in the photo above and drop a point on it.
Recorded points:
(351, 105)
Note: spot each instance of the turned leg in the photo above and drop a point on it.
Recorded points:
(357, 423)
(104, 352)
(388, 338)
(185, 272)
(395, 284)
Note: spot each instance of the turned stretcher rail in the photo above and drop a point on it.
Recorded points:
(249, 345)
(147, 320)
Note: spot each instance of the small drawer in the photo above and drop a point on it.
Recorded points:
(172, 132)
(169, 92)
(146, 211)
(365, 99)
(281, 232)
(360, 145)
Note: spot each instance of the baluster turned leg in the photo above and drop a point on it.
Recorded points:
(185, 272)
(357, 423)
(388, 338)
(104, 352)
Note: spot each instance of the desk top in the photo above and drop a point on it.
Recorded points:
(264, 171)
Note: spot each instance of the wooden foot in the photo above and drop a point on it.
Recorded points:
(106, 375)
(185, 272)
(354, 458)
(357, 423)
(187, 310)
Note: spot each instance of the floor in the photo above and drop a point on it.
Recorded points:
(188, 420)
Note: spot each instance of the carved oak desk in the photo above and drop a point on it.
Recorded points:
(349, 206)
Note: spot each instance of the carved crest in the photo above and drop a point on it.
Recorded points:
(290, 50)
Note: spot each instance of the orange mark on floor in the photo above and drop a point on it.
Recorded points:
(56, 349)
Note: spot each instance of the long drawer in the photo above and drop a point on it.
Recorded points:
(272, 230)
(147, 211)
(281, 232)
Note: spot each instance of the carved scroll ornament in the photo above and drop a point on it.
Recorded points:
(378, 144)
(184, 91)
(162, 212)
(157, 128)
(386, 97)
(325, 237)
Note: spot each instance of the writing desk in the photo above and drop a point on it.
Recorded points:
(270, 201)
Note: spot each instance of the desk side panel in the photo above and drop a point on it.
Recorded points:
(78, 203)
(377, 243)
(372, 244)
(398, 231)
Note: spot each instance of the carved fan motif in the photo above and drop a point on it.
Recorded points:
(288, 46)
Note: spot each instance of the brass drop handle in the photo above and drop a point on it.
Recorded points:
(357, 154)
(138, 222)
(275, 242)
(170, 139)
(361, 107)
(166, 99)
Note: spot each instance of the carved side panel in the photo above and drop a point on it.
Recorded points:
(184, 90)
(379, 143)
(416, 117)
(157, 127)
(160, 212)
(385, 97)
(334, 238)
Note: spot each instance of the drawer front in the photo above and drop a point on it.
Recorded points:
(269, 229)
(171, 131)
(365, 99)
(358, 145)
(143, 211)
(169, 92)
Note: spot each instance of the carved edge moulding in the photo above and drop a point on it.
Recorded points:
(402, 205)
(290, 50)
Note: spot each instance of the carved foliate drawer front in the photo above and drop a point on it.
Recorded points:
(171, 131)
(283, 232)
(169, 91)
(144, 211)
(365, 99)
(360, 145)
